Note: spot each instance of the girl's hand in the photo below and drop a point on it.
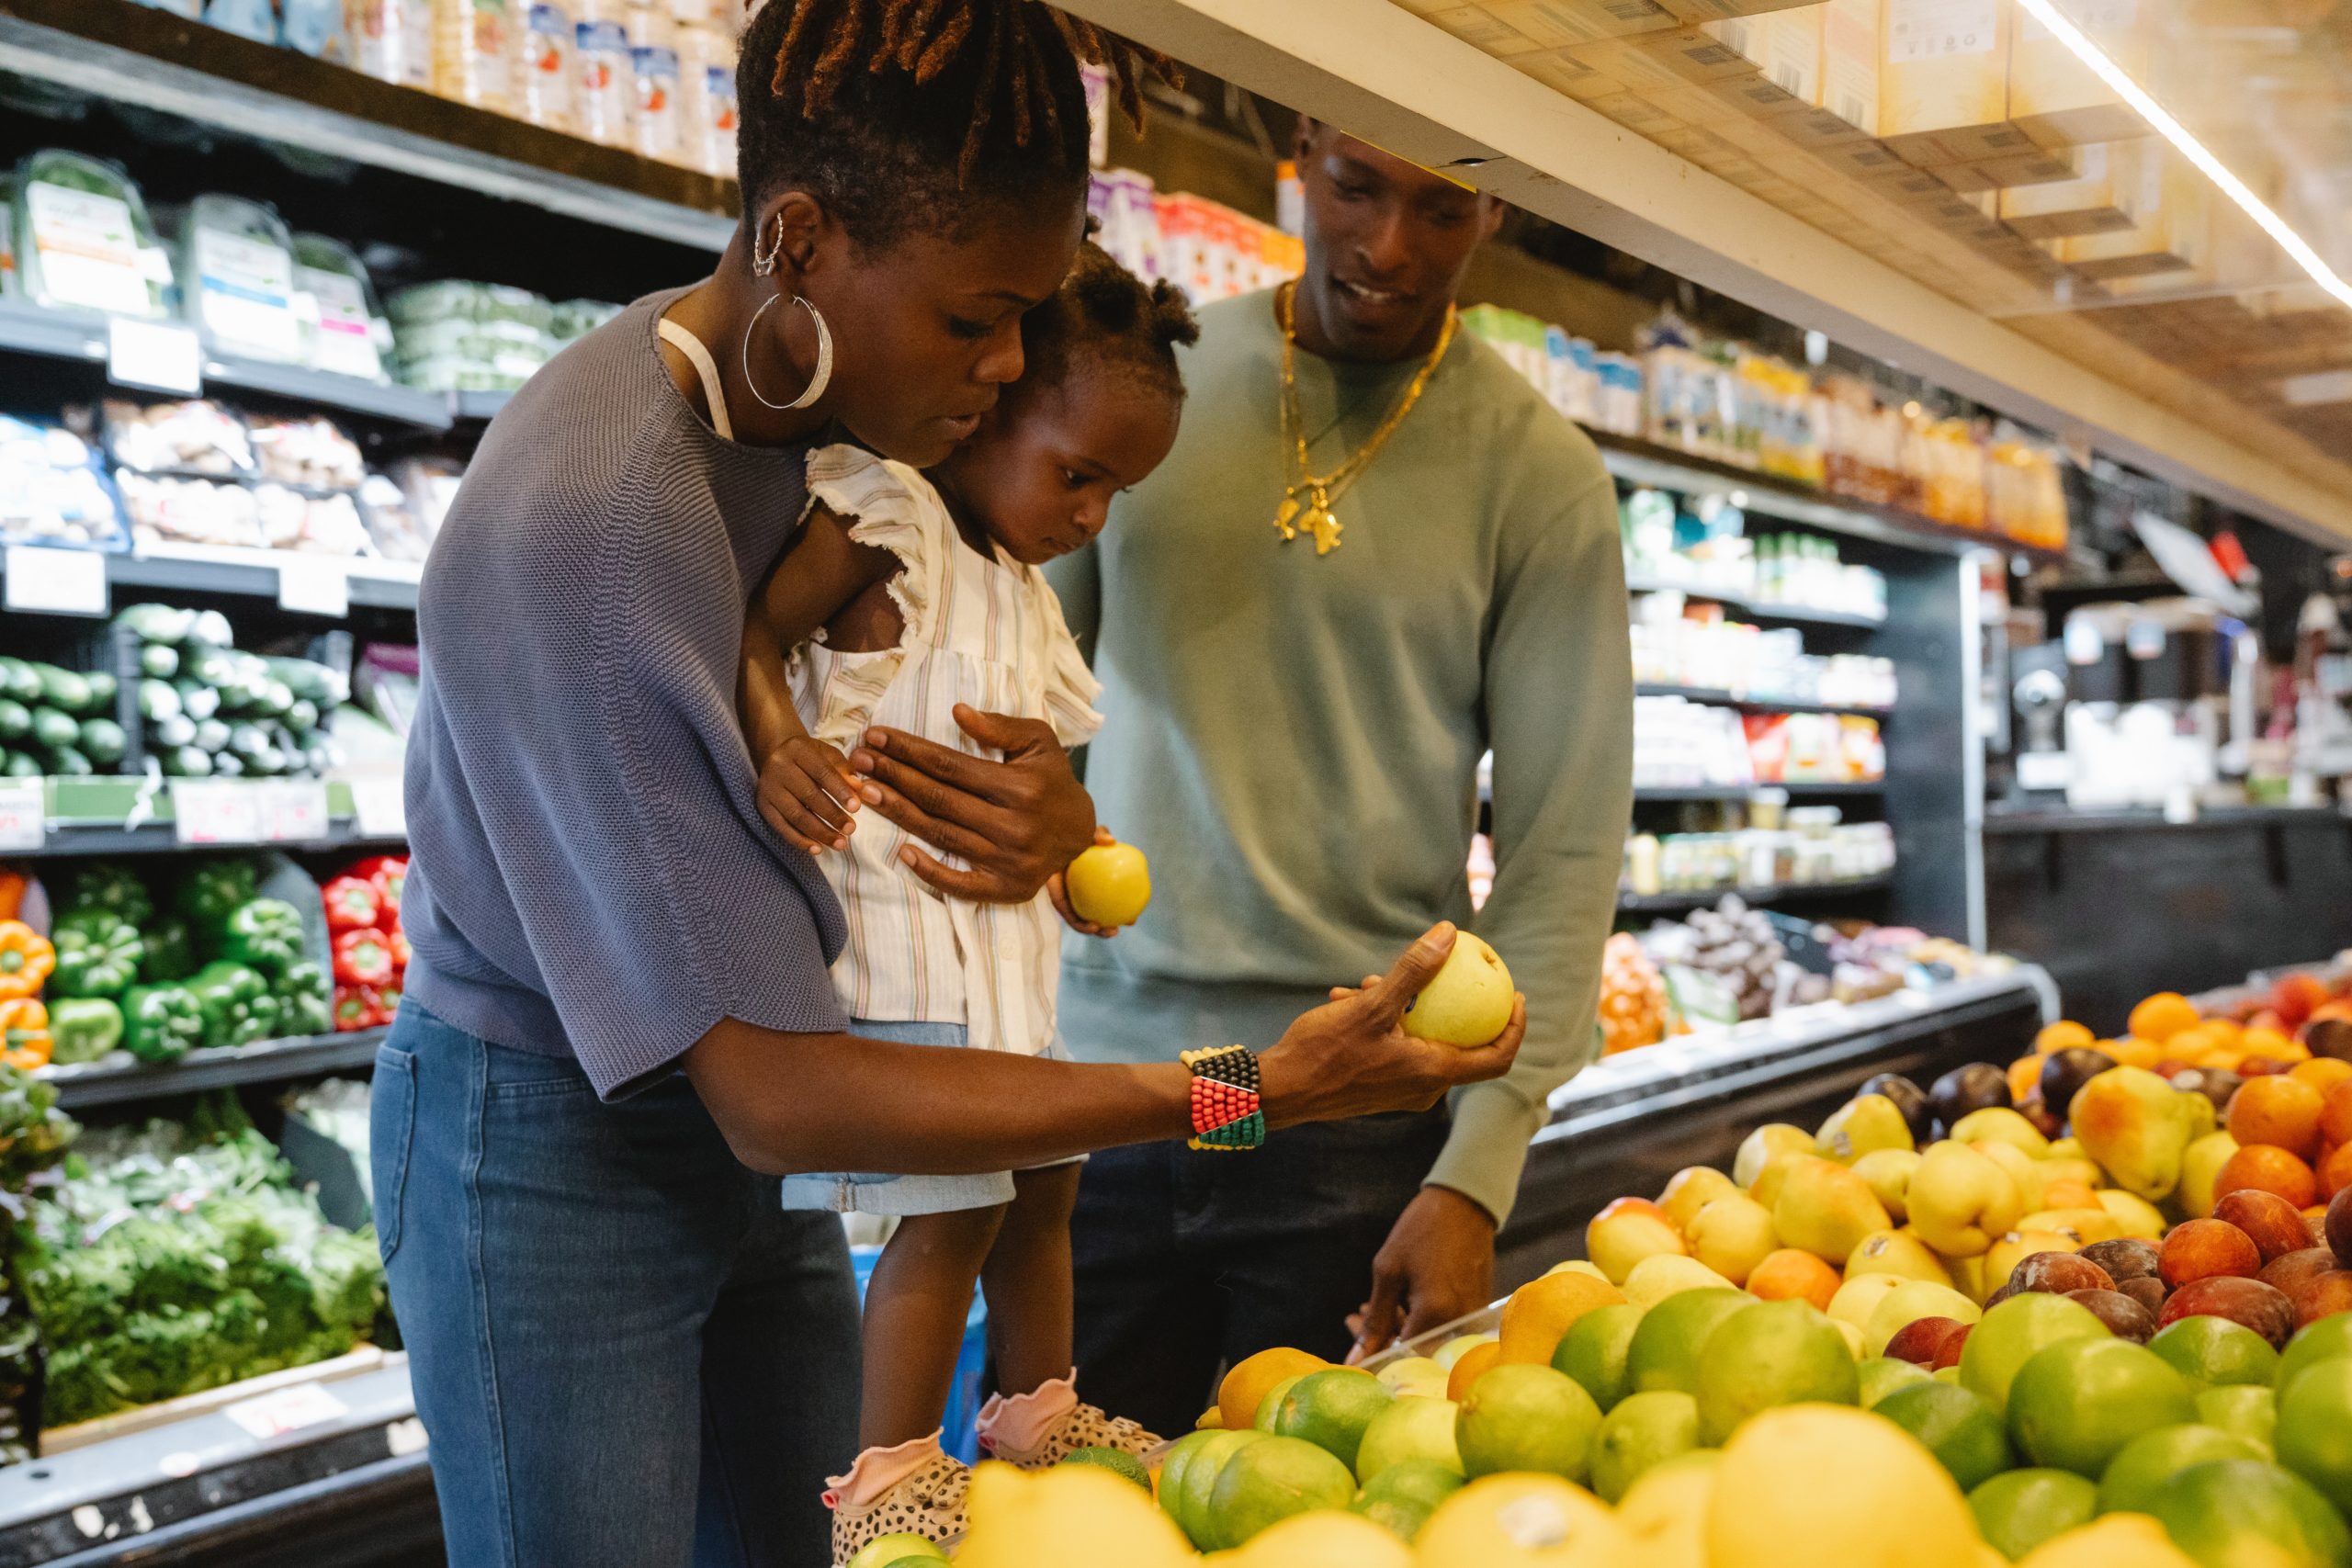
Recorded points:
(807, 794)
(1057, 889)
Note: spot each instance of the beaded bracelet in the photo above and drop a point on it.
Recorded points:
(1225, 1113)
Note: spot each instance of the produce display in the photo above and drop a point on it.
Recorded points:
(209, 709)
(363, 908)
(53, 491)
(179, 1257)
(57, 721)
(455, 337)
(83, 240)
(2105, 1321)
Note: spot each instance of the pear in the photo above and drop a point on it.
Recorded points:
(1766, 1189)
(1824, 1209)
(2060, 1167)
(1691, 1190)
(2200, 1168)
(1865, 1122)
(1962, 1200)
(2085, 1225)
(2002, 1125)
(1759, 1146)
(1731, 1235)
(1900, 1252)
(1858, 1297)
(1907, 1302)
(2135, 1216)
(2018, 1246)
(2023, 1168)
(2137, 1127)
(1889, 1173)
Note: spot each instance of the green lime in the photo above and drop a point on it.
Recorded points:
(2215, 1351)
(1118, 1462)
(2242, 1513)
(1264, 1420)
(1331, 1410)
(1400, 1516)
(1773, 1353)
(1192, 1512)
(899, 1546)
(1644, 1430)
(2141, 1469)
(2242, 1411)
(1412, 1427)
(2074, 1404)
(2321, 1341)
(2019, 1509)
(1955, 1425)
(1415, 1481)
(1593, 1351)
(1527, 1418)
(1664, 1351)
(1267, 1481)
(1881, 1375)
(2315, 1433)
(2011, 1333)
(1181, 1454)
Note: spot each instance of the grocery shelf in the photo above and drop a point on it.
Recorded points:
(122, 1078)
(380, 584)
(1743, 792)
(476, 408)
(112, 815)
(135, 55)
(1779, 893)
(1762, 609)
(1757, 704)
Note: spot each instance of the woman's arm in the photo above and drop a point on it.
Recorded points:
(795, 1102)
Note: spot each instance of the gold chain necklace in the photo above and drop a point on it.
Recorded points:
(1306, 500)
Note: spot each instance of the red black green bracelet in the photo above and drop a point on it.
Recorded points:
(1226, 1111)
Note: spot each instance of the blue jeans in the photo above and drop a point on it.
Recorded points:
(625, 1352)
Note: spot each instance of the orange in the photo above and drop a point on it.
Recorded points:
(1542, 1309)
(2322, 1073)
(2133, 1052)
(1254, 1377)
(2228, 1029)
(1790, 1274)
(2267, 1168)
(2335, 1171)
(2025, 1073)
(2276, 1046)
(2277, 1109)
(2058, 1036)
(2336, 1115)
(2161, 1016)
(1470, 1368)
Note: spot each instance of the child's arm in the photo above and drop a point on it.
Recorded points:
(806, 792)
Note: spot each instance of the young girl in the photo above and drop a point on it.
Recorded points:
(905, 596)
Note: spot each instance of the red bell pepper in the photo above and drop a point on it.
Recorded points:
(354, 1008)
(352, 904)
(363, 958)
(384, 1000)
(388, 873)
(400, 951)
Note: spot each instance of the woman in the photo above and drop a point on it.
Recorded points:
(618, 1015)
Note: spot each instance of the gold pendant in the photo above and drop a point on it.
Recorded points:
(1283, 516)
(1325, 525)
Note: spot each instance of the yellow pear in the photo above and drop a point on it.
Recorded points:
(1732, 1235)
(1824, 1209)
(1771, 1138)
(1827, 1486)
(1999, 1125)
(1899, 1253)
(1522, 1521)
(1889, 1173)
(1766, 1188)
(1072, 1515)
(2018, 1246)
(2111, 1540)
(2072, 1169)
(2135, 1216)
(1653, 1279)
(1576, 1266)
(2085, 1225)
(2138, 1127)
(1908, 1303)
(1852, 1335)
(1625, 1231)
(2023, 1168)
(2068, 1148)
(1858, 1297)
(1691, 1190)
(1962, 1200)
(1865, 1122)
(1968, 1278)
(2200, 1168)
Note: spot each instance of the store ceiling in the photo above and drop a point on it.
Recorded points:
(2106, 288)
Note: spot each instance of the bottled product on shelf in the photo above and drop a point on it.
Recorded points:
(1751, 663)
(1681, 744)
(1598, 390)
(1705, 550)
(1207, 249)
(1815, 850)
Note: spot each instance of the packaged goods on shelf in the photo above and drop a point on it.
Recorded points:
(1706, 552)
(1207, 249)
(52, 490)
(653, 83)
(83, 238)
(1814, 748)
(236, 267)
(313, 452)
(256, 19)
(344, 329)
(1815, 849)
(1686, 744)
(1601, 391)
(547, 72)
(706, 107)
(1752, 663)
(318, 28)
(455, 337)
(605, 86)
(198, 436)
(474, 52)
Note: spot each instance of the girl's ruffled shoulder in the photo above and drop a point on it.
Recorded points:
(892, 507)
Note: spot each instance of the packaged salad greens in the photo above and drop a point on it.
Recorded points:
(83, 238)
(237, 268)
(343, 331)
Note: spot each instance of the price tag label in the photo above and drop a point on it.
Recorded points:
(293, 810)
(24, 814)
(56, 582)
(314, 585)
(216, 811)
(157, 355)
(284, 1410)
(380, 807)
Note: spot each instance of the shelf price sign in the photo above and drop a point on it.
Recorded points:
(216, 811)
(55, 582)
(156, 356)
(314, 585)
(23, 822)
(293, 811)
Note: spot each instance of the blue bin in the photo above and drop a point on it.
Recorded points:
(957, 1435)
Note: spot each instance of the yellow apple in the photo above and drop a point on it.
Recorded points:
(1469, 1001)
(1731, 1236)
(1896, 1252)
(1110, 884)
(1889, 1173)
(1963, 1201)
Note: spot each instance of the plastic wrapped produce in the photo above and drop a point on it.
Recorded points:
(193, 437)
(311, 452)
(238, 261)
(189, 512)
(576, 319)
(50, 491)
(398, 532)
(343, 331)
(84, 238)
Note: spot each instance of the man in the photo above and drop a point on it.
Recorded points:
(1303, 665)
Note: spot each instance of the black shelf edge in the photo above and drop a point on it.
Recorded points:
(1662, 903)
(1762, 609)
(1753, 705)
(248, 574)
(160, 838)
(121, 1079)
(1741, 792)
(476, 408)
(134, 55)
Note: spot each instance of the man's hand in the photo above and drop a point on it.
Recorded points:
(1057, 889)
(807, 794)
(1015, 823)
(1437, 1265)
(1349, 1058)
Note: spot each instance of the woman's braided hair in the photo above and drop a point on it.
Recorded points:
(1104, 315)
(919, 113)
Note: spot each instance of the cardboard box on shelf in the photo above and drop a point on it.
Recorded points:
(1563, 24)
(2036, 167)
(2100, 199)
(2060, 102)
(1850, 62)
(1726, 10)
(1563, 72)
(1784, 47)
(1690, 53)
(1479, 27)
(1943, 93)
(2172, 234)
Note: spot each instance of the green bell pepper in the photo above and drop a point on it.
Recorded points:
(225, 994)
(170, 957)
(97, 954)
(212, 892)
(264, 1017)
(102, 885)
(84, 1029)
(162, 1024)
(266, 934)
(305, 1001)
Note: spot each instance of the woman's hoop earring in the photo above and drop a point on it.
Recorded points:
(817, 382)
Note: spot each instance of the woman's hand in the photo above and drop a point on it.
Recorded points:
(808, 794)
(1350, 1058)
(1057, 889)
(1015, 823)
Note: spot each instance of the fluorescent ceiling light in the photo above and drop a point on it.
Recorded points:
(2048, 14)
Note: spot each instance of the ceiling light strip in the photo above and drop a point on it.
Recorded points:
(2047, 12)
